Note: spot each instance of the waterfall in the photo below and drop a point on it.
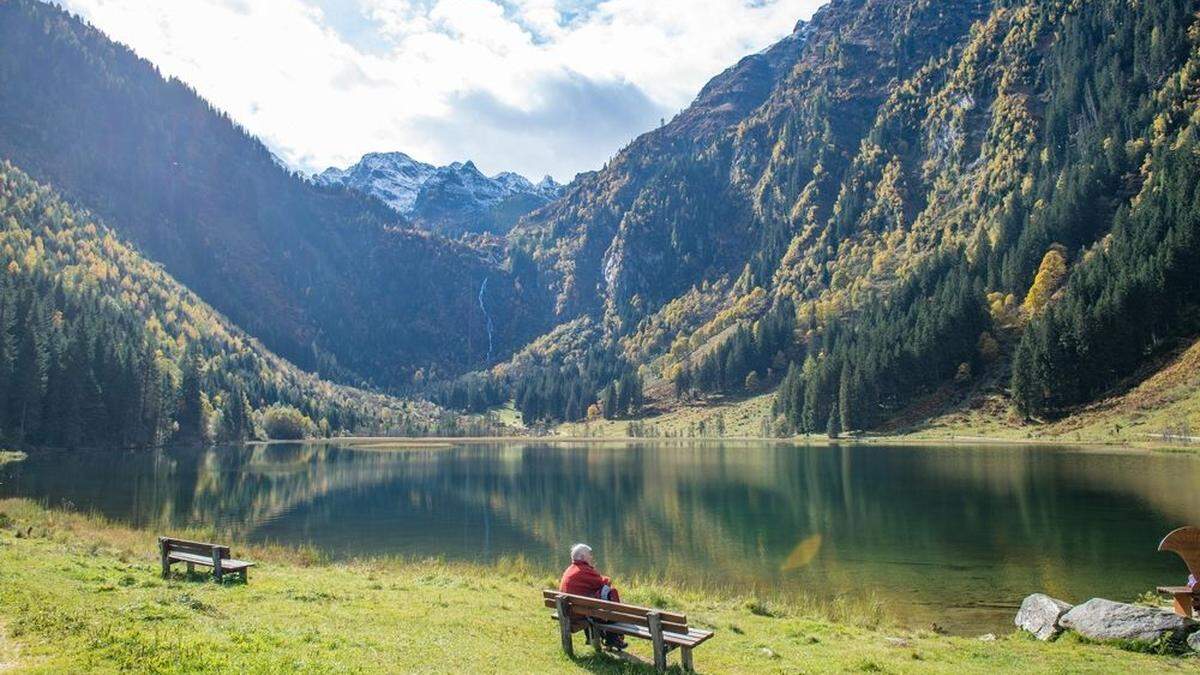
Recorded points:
(482, 307)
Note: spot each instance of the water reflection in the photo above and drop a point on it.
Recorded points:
(955, 535)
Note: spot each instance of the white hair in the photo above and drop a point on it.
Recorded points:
(580, 552)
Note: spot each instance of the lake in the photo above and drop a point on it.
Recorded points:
(952, 535)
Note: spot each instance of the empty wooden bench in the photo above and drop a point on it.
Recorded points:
(666, 631)
(1184, 541)
(198, 553)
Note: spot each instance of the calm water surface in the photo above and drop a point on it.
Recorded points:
(953, 535)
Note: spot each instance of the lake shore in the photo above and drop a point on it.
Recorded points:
(1136, 420)
(82, 593)
(386, 443)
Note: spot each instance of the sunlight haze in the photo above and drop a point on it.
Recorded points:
(533, 86)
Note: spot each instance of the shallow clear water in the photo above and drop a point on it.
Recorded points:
(952, 535)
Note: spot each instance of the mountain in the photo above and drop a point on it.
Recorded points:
(901, 197)
(392, 177)
(902, 203)
(452, 200)
(331, 280)
(100, 347)
(697, 197)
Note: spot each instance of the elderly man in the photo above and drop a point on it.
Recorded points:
(581, 578)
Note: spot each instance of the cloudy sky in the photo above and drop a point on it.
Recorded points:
(535, 86)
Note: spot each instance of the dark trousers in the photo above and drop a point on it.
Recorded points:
(611, 639)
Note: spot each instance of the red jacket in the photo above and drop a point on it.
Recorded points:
(582, 579)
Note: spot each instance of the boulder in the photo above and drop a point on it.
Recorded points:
(1039, 614)
(1100, 619)
(1194, 641)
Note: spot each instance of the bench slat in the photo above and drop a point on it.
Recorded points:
(692, 638)
(617, 615)
(190, 546)
(226, 563)
(583, 600)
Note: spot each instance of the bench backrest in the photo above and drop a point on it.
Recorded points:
(169, 544)
(583, 607)
(1184, 541)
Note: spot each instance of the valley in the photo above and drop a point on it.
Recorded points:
(888, 327)
(800, 238)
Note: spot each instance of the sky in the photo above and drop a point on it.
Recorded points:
(534, 86)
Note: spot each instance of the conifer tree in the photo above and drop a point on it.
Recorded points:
(846, 400)
(833, 426)
(609, 405)
(190, 415)
(237, 421)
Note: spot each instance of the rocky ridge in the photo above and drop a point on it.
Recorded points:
(454, 199)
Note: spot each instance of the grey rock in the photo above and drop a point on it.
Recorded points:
(1194, 641)
(1040, 614)
(1100, 619)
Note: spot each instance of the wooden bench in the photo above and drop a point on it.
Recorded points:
(195, 553)
(665, 630)
(1184, 541)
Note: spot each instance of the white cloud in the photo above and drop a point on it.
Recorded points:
(536, 86)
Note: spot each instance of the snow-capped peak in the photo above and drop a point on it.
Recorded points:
(431, 194)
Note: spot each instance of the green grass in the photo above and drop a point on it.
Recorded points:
(81, 594)
(509, 416)
(742, 417)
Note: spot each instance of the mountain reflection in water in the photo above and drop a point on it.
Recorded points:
(953, 535)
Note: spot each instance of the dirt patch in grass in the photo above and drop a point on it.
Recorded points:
(9, 650)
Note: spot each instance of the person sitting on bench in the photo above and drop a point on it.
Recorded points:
(581, 578)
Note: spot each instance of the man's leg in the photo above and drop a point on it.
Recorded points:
(614, 640)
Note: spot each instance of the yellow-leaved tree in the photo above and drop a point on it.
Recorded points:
(1051, 275)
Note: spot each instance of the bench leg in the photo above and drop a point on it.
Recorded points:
(1184, 603)
(685, 655)
(656, 637)
(245, 575)
(191, 569)
(162, 555)
(594, 634)
(564, 625)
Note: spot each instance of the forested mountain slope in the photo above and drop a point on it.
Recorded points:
(901, 196)
(1056, 163)
(906, 194)
(100, 347)
(717, 188)
(328, 278)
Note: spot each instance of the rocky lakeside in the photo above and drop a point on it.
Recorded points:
(1131, 626)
